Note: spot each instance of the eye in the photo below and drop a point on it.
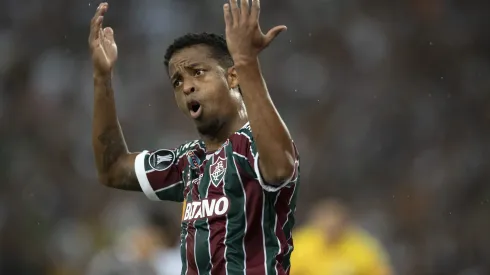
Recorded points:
(177, 83)
(199, 72)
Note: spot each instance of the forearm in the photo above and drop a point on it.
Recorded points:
(110, 149)
(271, 135)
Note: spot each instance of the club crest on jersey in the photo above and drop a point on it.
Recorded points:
(217, 171)
(161, 160)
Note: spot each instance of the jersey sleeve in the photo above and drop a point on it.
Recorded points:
(159, 174)
(244, 145)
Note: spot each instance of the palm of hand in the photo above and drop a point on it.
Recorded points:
(244, 37)
(102, 44)
(104, 53)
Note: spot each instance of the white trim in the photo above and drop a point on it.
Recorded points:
(168, 187)
(139, 168)
(268, 187)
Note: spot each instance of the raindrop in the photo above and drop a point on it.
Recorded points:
(430, 43)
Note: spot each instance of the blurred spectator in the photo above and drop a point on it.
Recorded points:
(331, 243)
(148, 249)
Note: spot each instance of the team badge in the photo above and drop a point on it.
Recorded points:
(161, 160)
(217, 170)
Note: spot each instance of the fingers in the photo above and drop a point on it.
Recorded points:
(255, 10)
(96, 22)
(109, 34)
(227, 13)
(235, 11)
(244, 9)
(273, 33)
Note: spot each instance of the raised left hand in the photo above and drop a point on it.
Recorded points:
(244, 38)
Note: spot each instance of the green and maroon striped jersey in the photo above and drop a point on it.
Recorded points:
(233, 222)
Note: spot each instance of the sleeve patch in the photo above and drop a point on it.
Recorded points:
(162, 159)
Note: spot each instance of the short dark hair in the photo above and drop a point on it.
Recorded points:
(215, 42)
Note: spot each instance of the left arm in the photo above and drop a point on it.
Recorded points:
(272, 138)
(245, 41)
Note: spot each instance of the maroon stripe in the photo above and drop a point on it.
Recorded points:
(241, 145)
(254, 238)
(162, 179)
(217, 233)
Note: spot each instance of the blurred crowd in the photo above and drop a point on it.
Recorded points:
(388, 103)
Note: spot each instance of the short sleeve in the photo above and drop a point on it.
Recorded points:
(244, 146)
(160, 174)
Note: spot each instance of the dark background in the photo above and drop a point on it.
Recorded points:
(388, 102)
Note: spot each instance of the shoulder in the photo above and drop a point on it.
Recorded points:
(242, 137)
(245, 134)
(191, 146)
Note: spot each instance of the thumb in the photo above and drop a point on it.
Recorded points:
(273, 33)
(109, 33)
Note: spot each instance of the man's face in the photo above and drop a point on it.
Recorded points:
(202, 88)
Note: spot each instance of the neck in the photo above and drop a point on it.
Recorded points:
(215, 141)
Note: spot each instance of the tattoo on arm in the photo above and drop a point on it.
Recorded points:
(115, 147)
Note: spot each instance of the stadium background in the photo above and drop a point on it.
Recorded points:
(388, 102)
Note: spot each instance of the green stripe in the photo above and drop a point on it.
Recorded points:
(183, 233)
(237, 219)
(203, 258)
(174, 193)
(244, 162)
(288, 227)
(270, 238)
(245, 165)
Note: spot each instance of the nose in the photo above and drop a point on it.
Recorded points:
(189, 88)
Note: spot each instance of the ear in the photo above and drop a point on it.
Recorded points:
(232, 78)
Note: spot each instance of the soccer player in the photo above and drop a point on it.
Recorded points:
(240, 180)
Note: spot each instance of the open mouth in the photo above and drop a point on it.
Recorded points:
(195, 109)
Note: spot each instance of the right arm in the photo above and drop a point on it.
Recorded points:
(157, 173)
(115, 165)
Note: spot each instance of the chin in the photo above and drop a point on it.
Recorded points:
(208, 127)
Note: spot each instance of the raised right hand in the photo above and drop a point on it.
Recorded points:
(101, 41)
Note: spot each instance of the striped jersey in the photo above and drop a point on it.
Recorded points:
(232, 222)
